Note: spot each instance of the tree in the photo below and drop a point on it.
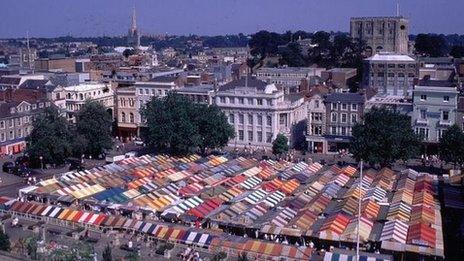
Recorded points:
(457, 51)
(128, 52)
(31, 245)
(384, 137)
(280, 144)
(4, 241)
(50, 139)
(94, 125)
(292, 56)
(431, 45)
(179, 126)
(106, 255)
(451, 147)
(213, 128)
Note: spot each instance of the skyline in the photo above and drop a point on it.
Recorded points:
(52, 18)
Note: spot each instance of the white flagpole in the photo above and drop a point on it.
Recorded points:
(359, 209)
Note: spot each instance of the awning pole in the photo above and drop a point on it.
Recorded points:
(359, 208)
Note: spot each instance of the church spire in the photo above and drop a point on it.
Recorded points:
(134, 19)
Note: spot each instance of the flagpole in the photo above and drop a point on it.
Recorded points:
(359, 208)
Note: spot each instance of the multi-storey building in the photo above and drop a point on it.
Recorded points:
(434, 108)
(126, 112)
(287, 76)
(258, 111)
(78, 95)
(329, 128)
(387, 34)
(199, 94)
(390, 74)
(156, 87)
(18, 109)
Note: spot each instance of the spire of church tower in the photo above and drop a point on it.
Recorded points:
(134, 19)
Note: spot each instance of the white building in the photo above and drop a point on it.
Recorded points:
(259, 111)
(287, 76)
(77, 95)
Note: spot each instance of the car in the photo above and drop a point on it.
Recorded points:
(138, 143)
(8, 167)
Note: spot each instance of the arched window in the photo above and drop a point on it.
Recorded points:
(68, 96)
(81, 96)
(131, 117)
(123, 117)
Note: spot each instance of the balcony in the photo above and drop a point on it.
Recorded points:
(445, 122)
(422, 121)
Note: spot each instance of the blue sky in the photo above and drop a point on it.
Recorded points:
(48, 18)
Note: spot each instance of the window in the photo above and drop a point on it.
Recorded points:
(240, 100)
(268, 137)
(380, 74)
(140, 91)
(2, 137)
(334, 106)
(260, 136)
(391, 66)
(282, 119)
(446, 98)
(354, 118)
(123, 117)
(401, 65)
(20, 133)
(11, 136)
(260, 120)
(423, 114)
(231, 118)
(223, 99)
(316, 116)
(333, 130)
(131, 117)
(269, 121)
(250, 135)
(333, 117)
(241, 118)
(344, 118)
(316, 104)
(344, 106)
(439, 134)
(259, 101)
(317, 130)
(147, 91)
(423, 133)
(250, 119)
(445, 115)
(343, 131)
(423, 97)
(240, 135)
(2, 124)
(11, 123)
(354, 107)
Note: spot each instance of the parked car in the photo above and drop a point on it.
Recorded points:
(8, 167)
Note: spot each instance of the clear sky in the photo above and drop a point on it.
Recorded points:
(49, 18)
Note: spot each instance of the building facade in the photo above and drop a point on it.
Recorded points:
(16, 119)
(78, 95)
(330, 123)
(434, 108)
(126, 113)
(387, 34)
(391, 74)
(258, 111)
(287, 76)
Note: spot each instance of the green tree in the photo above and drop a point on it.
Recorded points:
(106, 255)
(213, 128)
(31, 245)
(94, 125)
(384, 137)
(451, 147)
(50, 138)
(292, 56)
(280, 144)
(457, 51)
(4, 241)
(179, 126)
(431, 45)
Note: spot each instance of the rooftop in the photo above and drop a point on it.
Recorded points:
(86, 87)
(251, 82)
(347, 97)
(390, 57)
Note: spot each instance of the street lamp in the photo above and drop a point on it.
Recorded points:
(41, 162)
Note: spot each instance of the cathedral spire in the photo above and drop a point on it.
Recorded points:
(134, 19)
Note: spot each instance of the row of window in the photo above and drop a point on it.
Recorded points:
(123, 102)
(250, 119)
(29, 107)
(251, 138)
(15, 121)
(423, 133)
(146, 91)
(334, 117)
(423, 97)
(340, 131)
(393, 75)
(344, 106)
(80, 96)
(444, 115)
(392, 65)
(124, 117)
(11, 135)
(248, 101)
